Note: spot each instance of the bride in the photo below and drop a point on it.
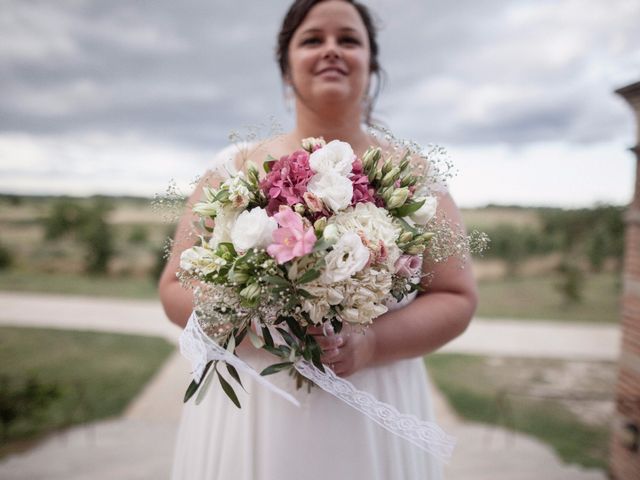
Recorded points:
(327, 53)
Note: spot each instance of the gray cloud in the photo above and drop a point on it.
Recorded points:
(466, 72)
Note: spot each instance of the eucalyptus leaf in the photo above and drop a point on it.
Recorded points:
(287, 336)
(202, 391)
(256, 341)
(275, 280)
(193, 386)
(408, 208)
(295, 327)
(303, 293)
(231, 344)
(271, 369)
(266, 334)
(228, 389)
(234, 373)
(309, 276)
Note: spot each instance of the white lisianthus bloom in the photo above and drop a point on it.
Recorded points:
(335, 156)
(426, 212)
(375, 224)
(198, 260)
(253, 229)
(335, 190)
(348, 256)
(224, 222)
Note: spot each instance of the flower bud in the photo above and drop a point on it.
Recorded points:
(405, 237)
(319, 225)
(299, 208)
(370, 158)
(251, 292)
(390, 178)
(387, 167)
(330, 234)
(397, 198)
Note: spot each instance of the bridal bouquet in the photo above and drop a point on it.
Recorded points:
(324, 239)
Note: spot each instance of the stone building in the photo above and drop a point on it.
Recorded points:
(625, 437)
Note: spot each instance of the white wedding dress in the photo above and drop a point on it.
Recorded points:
(323, 439)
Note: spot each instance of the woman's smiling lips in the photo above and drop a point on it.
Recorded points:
(332, 70)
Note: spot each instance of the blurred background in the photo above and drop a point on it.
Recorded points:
(103, 103)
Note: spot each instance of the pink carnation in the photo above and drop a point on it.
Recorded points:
(287, 181)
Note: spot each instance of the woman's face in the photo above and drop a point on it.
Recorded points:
(329, 55)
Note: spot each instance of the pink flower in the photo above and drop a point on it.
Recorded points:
(291, 240)
(408, 265)
(362, 190)
(287, 181)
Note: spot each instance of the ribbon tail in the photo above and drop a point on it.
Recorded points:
(427, 436)
(199, 349)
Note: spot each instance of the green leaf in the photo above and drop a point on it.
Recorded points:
(295, 327)
(268, 164)
(406, 225)
(193, 386)
(304, 293)
(266, 334)
(408, 208)
(234, 373)
(256, 341)
(309, 276)
(287, 336)
(191, 389)
(271, 369)
(321, 245)
(202, 391)
(228, 389)
(279, 281)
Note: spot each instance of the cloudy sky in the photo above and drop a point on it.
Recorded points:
(119, 96)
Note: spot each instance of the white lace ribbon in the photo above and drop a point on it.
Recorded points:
(199, 349)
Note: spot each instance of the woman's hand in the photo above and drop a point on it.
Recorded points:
(347, 352)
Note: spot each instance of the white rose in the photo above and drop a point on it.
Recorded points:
(348, 256)
(335, 156)
(425, 212)
(225, 219)
(333, 189)
(253, 229)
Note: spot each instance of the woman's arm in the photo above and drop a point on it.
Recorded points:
(177, 300)
(439, 314)
(433, 319)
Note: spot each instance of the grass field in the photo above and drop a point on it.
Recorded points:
(95, 376)
(73, 284)
(534, 397)
(536, 297)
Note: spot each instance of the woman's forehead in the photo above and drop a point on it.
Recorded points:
(332, 14)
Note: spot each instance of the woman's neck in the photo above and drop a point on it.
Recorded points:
(331, 125)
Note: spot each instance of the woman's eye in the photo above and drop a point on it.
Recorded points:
(351, 40)
(311, 41)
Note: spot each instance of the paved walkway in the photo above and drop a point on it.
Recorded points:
(139, 444)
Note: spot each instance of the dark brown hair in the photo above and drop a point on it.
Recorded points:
(295, 16)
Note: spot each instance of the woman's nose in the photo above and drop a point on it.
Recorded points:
(332, 49)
